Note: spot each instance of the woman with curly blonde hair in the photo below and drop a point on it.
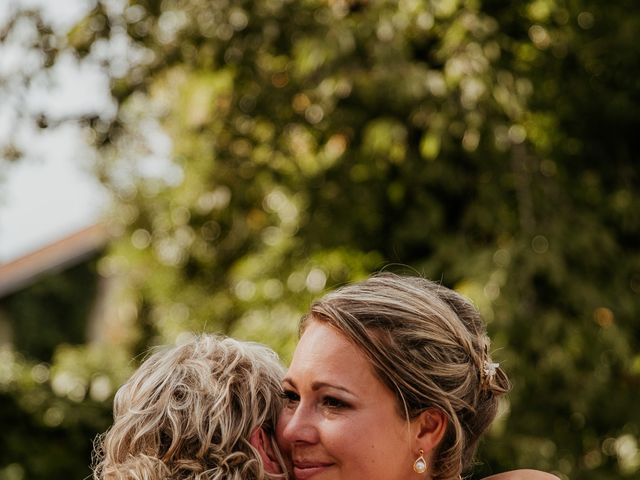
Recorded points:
(205, 410)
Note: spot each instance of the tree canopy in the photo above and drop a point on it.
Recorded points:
(266, 150)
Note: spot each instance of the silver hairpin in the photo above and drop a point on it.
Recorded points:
(489, 369)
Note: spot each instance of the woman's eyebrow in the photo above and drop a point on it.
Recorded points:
(289, 381)
(315, 386)
(319, 385)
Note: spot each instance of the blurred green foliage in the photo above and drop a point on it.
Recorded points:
(51, 312)
(488, 145)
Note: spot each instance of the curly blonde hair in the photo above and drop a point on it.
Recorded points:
(429, 345)
(188, 413)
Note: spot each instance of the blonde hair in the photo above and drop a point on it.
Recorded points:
(188, 413)
(428, 344)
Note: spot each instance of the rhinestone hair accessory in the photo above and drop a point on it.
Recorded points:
(487, 373)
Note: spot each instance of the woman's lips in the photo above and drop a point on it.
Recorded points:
(306, 469)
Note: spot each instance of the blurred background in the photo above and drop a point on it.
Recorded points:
(181, 166)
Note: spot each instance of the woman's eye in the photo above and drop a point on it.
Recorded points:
(332, 402)
(290, 396)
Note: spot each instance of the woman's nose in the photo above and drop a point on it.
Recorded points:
(298, 425)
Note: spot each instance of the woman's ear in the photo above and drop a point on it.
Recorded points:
(262, 442)
(431, 426)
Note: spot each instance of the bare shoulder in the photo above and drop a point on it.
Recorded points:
(524, 474)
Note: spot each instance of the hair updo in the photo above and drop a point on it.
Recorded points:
(429, 345)
(188, 412)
